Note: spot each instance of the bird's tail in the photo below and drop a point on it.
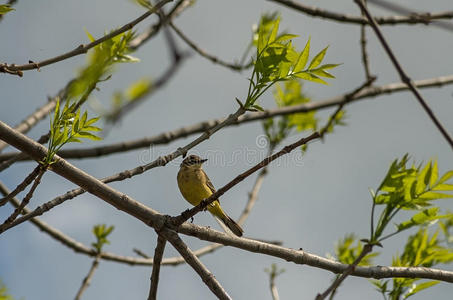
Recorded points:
(231, 224)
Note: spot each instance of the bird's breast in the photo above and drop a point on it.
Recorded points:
(192, 186)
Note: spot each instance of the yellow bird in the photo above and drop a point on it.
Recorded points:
(195, 186)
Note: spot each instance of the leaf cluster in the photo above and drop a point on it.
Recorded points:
(421, 249)
(288, 94)
(101, 60)
(4, 294)
(277, 60)
(101, 232)
(410, 188)
(346, 252)
(134, 92)
(67, 126)
(5, 8)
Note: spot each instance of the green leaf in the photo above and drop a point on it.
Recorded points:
(446, 177)
(90, 37)
(309, 77)
(88, 135)
(138, 89)
(5, 8)
(434, 174)
(318, 59)
(303, 58)
(419, 287)
(443, 187)
(320, 72)
(434, 196)
(274, 31)
(285, 37)
(423, 217)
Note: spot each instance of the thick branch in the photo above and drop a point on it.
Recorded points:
(420, 18)
(404, 77)
(17, 69)
(304, 258)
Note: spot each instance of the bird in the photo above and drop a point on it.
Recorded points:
(195, 186)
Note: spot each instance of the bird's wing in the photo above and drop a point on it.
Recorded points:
(208, 182)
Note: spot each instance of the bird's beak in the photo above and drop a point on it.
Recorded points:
(204, 160)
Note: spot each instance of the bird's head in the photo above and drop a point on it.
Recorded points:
(192, 161)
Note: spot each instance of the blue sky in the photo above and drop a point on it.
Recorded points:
(308, 205)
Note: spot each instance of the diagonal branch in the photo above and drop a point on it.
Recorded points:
(366, 249)
(26, 200)
(146, 35)
(214, 59)
(405, 11)
(158, 253)
(17, 69)
(404, 77)
(87, 280)
(21, 186)
(191, 259)
(204, 203)
(420, 18)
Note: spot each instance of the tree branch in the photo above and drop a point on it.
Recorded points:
(158, 253)
(204, 203)
(17, 69)
(26, 200)
(207, 277)
(214, 59)
(87, 280)
(403, 10)
(404, 77)
(366, 249)
(421, 18)
(304, 258)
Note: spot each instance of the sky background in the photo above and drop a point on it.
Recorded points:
(308, 203)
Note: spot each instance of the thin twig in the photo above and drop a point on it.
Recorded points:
(363, 42)
(87, 280)
(421, 18)
(29, 122)
(26, 200)
(366, 249)
(160, 82)
(170, 136)
(206, 276)
(158, 253)
(404, 77)
(152, 30)
(204, 54)
(348, 98)
(184, 216)
(17, 69)
(21, 186)
(405, 11)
